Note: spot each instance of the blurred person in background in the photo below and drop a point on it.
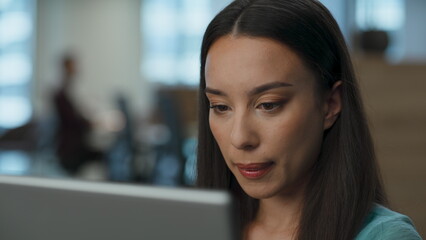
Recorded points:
(72, 147)
(282, 126)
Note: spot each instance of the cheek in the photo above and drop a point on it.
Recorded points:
(213, 127)
(218, 131)
(297, 134)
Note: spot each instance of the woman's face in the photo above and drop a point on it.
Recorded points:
(265, 114)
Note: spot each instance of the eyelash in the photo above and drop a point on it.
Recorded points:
(266, 106)
(217, 107)
(274, 106)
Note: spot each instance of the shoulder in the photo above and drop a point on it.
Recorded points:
(385, 224)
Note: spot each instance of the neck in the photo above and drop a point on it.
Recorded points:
(280, 213)
(279, 216)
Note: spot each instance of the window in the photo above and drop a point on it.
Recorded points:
(172, 32)
(385, 15)
(16, 31)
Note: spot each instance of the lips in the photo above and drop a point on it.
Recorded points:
(255, 170)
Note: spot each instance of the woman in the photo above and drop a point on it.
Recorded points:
(282, 126)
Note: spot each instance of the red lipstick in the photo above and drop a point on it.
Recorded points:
(254, 170)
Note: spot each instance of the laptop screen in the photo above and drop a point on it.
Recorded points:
(48, 209)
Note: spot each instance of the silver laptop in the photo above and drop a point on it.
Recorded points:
(50, 209)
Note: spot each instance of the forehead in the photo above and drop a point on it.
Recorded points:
(253, 61)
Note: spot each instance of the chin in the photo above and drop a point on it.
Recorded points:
(259, 192)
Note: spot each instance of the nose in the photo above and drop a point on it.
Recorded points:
(244, 133)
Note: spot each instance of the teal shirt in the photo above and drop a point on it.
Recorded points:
(384, 224)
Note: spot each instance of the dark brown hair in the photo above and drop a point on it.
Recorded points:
(346, 181)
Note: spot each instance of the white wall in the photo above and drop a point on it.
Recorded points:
(415, 31)
(105, 37)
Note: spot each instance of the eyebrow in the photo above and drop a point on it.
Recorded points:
(268, 86)
(254, 91)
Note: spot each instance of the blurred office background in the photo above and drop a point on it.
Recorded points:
(135, 66)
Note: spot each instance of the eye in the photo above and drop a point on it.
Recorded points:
(270, 106)
(219, 108)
